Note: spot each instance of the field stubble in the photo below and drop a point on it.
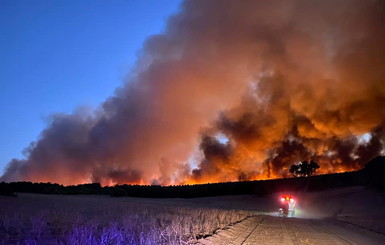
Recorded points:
(82, 220)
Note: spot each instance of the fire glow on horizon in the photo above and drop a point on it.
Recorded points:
(231, 91)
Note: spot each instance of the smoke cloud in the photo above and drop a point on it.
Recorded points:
(280, 81)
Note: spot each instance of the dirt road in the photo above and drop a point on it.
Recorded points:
(276, 230)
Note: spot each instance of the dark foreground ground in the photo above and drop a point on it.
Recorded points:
(353, 215)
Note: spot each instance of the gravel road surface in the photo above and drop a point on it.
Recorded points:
(277, 230)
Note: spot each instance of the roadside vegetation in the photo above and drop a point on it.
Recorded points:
(85, 220)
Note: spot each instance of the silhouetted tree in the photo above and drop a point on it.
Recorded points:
(304, 169)
(374, 171)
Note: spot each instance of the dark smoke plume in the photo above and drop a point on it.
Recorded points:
(281, 81)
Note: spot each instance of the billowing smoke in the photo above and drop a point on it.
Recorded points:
(244, 88)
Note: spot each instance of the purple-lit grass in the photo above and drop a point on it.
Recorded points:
(54, 219)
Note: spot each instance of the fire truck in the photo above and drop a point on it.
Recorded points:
(287, 206)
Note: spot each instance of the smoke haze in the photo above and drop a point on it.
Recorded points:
(279, 81)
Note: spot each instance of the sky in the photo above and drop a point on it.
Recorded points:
(57, 56)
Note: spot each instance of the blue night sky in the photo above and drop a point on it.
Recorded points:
(58, 55)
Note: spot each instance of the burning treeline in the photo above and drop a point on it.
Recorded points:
(232, 90)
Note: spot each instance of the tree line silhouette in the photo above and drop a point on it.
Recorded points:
(371, 175)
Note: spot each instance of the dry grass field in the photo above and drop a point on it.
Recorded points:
(58, 219)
